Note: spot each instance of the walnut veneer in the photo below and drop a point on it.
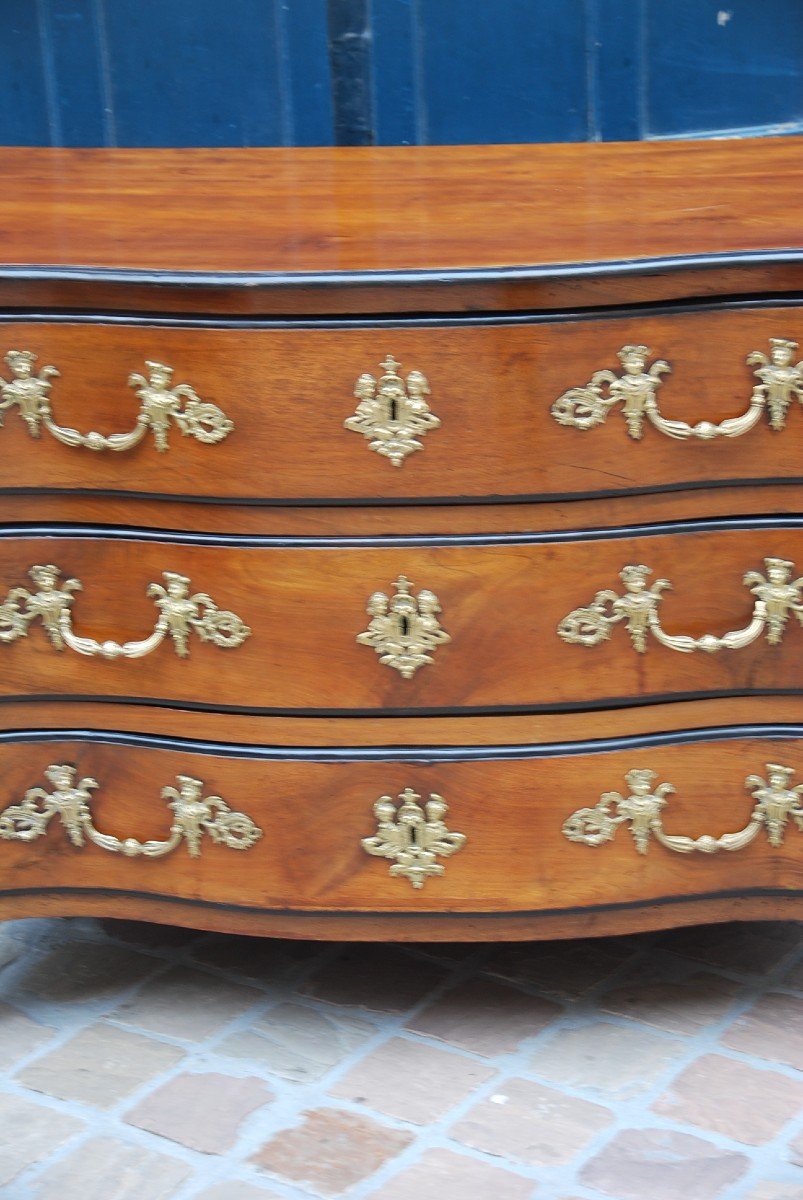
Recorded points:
(292, 783)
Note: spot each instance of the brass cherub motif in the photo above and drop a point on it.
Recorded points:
(412, 835)
(179, 615)
(391, 416)
(781, 381)
(404, 629)
(781, 378)
(161, 404)
(589, 406)
(777, 596)
(193, 816)
(642, 808)
(26, 389)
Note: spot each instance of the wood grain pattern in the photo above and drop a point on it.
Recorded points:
(314, 815)
(280, 214)
(501, 607)
(289, 391)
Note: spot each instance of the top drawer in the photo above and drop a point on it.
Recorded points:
(516, 409)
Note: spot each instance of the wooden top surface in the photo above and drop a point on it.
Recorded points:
(433, 209)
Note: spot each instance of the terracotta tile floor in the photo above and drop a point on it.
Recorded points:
(147, 1063)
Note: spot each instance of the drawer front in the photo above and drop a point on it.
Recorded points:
(467, 411)
(529, 834)
(532, 624)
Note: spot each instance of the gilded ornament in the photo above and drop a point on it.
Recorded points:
(392, 416)
(414, 836)
(404, 629)
(160, 405)
(641, 810)
(777, 595)
(636, 389)
(180, 614)
(194, 815)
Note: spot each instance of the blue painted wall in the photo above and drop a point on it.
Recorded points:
(317, 72)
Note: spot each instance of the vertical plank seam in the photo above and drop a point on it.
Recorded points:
(593, 122)
(421, 115)
(48, 64)
(641, 73)
(284, 76)
(104, 72)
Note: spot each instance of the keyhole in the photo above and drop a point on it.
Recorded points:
(393, 407)
(405, 626)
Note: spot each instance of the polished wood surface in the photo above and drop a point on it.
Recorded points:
(275, 213)
(314, 815)
(288, 392)
(237, 268)
(501, 606)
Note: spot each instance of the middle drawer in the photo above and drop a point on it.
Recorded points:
(617, 405)
(507, 622)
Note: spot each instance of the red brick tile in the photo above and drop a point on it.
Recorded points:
(411, 1081)
(485, 1017)
(529, 1123)
(685, 1007)
(733, 1099)
(204, 1112)
(614, 1061)
(772, 1029)
(331, 1150)
(568, 968)
(379, 978)
(750, 948)
(442, 1175)
(661, 1164)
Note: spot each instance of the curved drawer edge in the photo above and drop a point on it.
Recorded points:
(602, 921)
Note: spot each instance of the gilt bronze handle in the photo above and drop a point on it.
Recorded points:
(180, 614)
(776, 597)
(70, 800)
(641, 809)
(780, 382)
(160, 404)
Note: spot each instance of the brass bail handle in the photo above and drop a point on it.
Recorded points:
(636, 390)
(777, 597)
(180, 614)
(161, 404)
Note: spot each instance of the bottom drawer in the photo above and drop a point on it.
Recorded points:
(511, 841)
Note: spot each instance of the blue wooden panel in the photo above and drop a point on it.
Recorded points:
(724, 64)
(616, 69)
(306, 79)
(24, 116)
(71, 43)
(297, 72)
(506, 71)
(394, 71)
(194, 72)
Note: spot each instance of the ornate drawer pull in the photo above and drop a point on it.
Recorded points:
(776, 597)
(179, 615)
(404, 629)
(160, 404)
(391, 416)
(412, 835)
(585, 407)
(776, 802)
(193, 816)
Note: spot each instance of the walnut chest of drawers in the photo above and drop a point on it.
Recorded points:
(403, 543)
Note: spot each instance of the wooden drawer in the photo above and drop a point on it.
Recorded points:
(82, 819)
(530, 623)
(282, 395)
